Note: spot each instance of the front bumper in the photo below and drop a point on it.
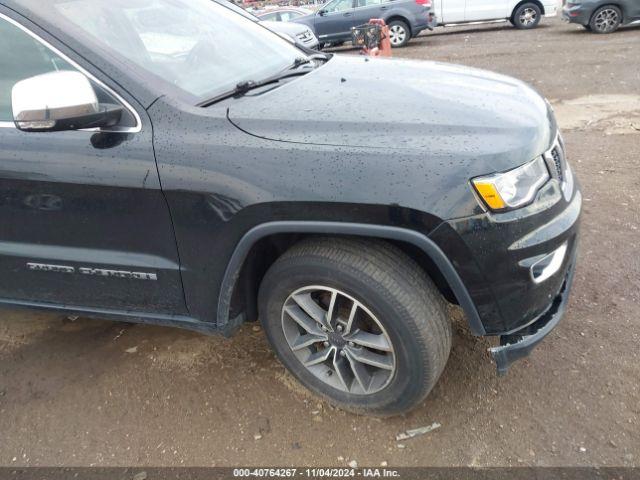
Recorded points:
(496, 256)
(519, 344)
(517, 266)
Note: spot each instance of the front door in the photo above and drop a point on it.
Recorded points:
(450, 11)
(480, 10)
(367, 9)
(83, 221)
(632, 11)
(334, 21)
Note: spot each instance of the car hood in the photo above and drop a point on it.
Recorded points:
(395, 104)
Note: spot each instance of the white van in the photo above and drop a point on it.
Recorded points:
(522, 14)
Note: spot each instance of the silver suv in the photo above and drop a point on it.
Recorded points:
(295, 32)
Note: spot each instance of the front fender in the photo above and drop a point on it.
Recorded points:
(345, 228)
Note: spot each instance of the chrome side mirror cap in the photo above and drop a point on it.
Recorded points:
(61, 100)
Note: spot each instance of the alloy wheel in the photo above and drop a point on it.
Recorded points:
(606, 20)
(528, 17)
(338, 339)
(397, 35)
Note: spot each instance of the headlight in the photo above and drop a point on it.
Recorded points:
(514, 188)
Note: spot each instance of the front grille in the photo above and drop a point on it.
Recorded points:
(556, 161)
(559, 168)
(557, 156)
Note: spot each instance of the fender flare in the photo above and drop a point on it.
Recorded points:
(417, 239)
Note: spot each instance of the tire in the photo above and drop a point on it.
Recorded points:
(400, 33)
(606, 19)
(396, 301)
(526, 16)
(587, 27)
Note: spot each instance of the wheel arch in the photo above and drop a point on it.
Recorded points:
(519, 4)
(402, 18)
(263, 244)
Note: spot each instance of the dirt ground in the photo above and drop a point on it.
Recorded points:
(90, 392)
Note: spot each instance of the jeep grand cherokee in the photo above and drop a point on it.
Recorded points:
(171, 162)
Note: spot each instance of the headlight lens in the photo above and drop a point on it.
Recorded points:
(514, 188)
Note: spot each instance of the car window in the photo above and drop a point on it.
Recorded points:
(21, 57)
(369, 3)
(287, 16)
(273, 17)
(338, 6)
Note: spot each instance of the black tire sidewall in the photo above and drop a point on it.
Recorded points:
(518, 11)
(408, 379)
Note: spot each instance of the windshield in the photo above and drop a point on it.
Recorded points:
(196, 49)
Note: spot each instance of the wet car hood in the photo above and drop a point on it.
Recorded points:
(396, 104)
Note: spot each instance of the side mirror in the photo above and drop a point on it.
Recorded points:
(62, 100)
(322, 12)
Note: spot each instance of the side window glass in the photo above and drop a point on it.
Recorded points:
(370, 3)
(22, 56)
(339, 6)
(288, 16)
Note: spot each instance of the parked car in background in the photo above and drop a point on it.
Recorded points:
(298, 33)
(522, 14)
(283, 14)
(332, 23)
(216, 181)
(602, 16)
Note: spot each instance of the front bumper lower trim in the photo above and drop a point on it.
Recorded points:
(520, 344)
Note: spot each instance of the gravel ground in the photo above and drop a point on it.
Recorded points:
(89, 392)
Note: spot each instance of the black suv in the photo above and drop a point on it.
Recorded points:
(172, 162)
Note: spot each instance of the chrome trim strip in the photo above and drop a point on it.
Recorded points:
(113, 258)
(127, 105)
(553, 261)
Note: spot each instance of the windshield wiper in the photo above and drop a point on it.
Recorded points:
(298, 62)
(242, 88)
(321, 56)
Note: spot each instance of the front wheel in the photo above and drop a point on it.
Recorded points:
(399, 33)
(606, 19)
(357, 322)
(526, 16)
